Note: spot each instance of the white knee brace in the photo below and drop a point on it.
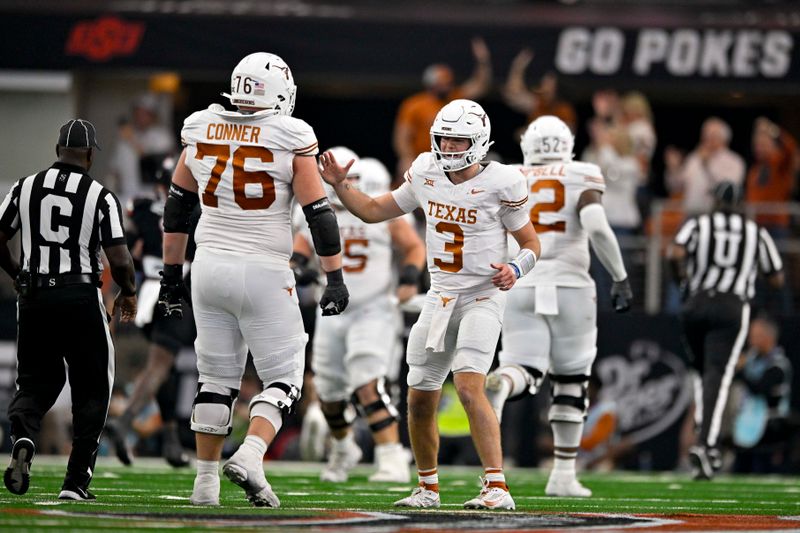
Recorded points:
(570, 403)
(212, 411)
(273, 402)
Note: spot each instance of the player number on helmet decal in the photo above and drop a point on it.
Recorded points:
(241, 177)
(548, 207)
(456, 247)
(243, 85)
(548, 146)
(357, 262)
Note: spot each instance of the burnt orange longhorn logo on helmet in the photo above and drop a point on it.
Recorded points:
(482, 117)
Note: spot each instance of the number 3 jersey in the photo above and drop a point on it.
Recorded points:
(243, 167)
(553, 207)
(466, 222)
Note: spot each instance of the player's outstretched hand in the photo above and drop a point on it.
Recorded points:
(336, 296)
(126, 306)
(621, 295)
(332, 172)
(505, 277)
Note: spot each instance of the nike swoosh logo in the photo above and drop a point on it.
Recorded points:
(476, 191)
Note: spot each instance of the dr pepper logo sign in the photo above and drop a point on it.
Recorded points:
(104, 38)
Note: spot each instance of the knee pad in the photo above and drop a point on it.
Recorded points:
(275, 402)
(570, 402)
(525, 379)
(384, 401)
(212, 410)
(339, 414)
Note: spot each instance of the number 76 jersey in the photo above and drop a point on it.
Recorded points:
(243, 167)
(466, 222)
(553, 207)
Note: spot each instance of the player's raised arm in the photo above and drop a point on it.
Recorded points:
(605, 244)
(363, 206)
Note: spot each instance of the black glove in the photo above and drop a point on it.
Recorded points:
(621, 296)
(335, 298)
(303, 275)
(172, 291)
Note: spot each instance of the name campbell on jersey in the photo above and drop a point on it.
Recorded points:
(465, 223)
(554, 193)
(243, 167)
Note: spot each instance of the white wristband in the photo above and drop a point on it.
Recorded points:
(524, 262)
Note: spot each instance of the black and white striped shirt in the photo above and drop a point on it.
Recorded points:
(64, 217)
(725, 252)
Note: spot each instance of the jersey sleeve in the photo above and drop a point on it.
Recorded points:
(404, 196)
(296, 136)
(589, 177)
(192, 127)
(513, 198)
(112, 233)
(9, 211)
(687, 233)
(769, 260)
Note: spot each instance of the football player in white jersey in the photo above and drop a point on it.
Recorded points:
(551, 318)
(469, 206)
(352, 352)
(247, 167)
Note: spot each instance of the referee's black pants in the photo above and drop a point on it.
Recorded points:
(715, 327)
(57, 325)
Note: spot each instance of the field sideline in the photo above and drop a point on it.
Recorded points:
(151, 496)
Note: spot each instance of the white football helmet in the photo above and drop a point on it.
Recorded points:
(464, 119)
(343, 156)
(548, 139)
(374, 179)
(263, 80)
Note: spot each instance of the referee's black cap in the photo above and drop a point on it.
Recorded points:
(78, 133)
(727, 193)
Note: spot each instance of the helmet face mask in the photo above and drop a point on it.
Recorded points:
(263, 81)
(547, 140)
(461, 119)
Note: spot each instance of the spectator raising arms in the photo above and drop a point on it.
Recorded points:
(538, 101)
(415, 116)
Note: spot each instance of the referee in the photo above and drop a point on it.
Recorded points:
(717, 257)
(64, 216)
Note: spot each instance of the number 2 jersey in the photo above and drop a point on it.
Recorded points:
(243, 167)
(466, 222)
(553, 207)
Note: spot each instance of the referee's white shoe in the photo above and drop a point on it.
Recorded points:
(18, 474)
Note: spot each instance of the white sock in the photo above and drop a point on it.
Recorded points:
(255, 446)
(566, 435)
(388, 448)
(207, 468)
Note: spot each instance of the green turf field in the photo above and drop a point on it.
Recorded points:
(151, 496)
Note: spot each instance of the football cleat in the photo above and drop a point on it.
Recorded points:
(492, 498)
(420, 498)
(252, 480)
(18, 474)
(116, 434)
(704, 462)
(392, 461)
(565, 485)
(206, 490)
(343, 457)
(75, 492)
